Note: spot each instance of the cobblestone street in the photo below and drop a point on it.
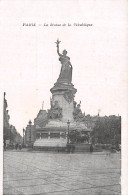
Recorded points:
(61, 174)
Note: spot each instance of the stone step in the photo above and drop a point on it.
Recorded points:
(86, 148)
(50, 143)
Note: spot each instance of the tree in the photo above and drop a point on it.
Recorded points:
(78, 136)
(107, 130)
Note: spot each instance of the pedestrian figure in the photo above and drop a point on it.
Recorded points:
(20, 146)
(113, 149)
(117, 147)
(16, 146)
(68, 148)
(72, 148)
(91, 148)
(5, 146)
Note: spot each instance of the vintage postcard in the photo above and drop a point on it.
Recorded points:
(64, 83)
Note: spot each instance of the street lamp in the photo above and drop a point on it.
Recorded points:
(30, 131)
(68, 124)
(10, 132)
(23, 136)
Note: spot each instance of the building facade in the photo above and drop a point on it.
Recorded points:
(10, 134)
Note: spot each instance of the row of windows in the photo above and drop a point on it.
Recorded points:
(51, 135)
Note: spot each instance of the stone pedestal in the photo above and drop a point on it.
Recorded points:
(64, 94)
(62, 108)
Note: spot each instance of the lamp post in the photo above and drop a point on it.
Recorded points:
(30, 132)
(68, 124)
(23, 136)
(10, 132)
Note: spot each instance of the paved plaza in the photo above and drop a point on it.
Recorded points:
(40, 173)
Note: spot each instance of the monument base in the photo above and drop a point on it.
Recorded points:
(54, 134)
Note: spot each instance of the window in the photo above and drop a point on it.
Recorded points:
(55, 135)
(44, 135)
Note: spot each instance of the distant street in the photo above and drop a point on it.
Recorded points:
(40, 173)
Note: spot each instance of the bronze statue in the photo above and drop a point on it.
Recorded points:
(56, 111)
(66, 68)
(77, 113)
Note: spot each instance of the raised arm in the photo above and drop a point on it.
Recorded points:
(58, 51)
(57, 45)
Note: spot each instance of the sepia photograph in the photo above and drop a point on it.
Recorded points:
(64, 97)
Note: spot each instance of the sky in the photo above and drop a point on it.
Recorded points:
(98, 54)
